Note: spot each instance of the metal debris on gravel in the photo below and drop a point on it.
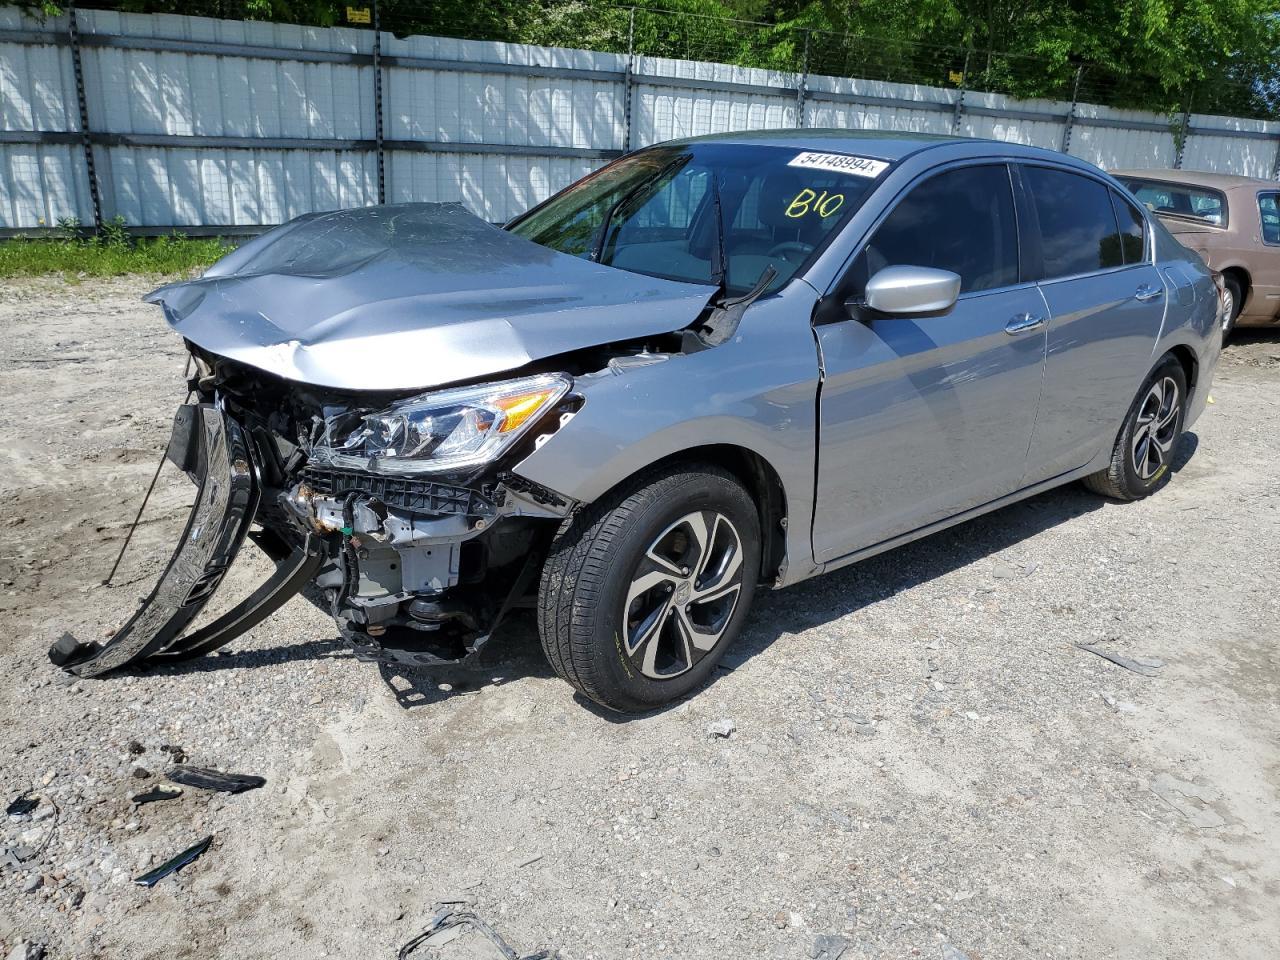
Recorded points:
(449, 925)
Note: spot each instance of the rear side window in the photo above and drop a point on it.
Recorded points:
(1078, 228)
(961, 220)
(1133, 230)
(1180, 200)
(1269, 214)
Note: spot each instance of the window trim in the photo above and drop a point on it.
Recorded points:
(1226, 207)
(1117, 196)
(1006, 162)
(1109, 187)
(1262, 234)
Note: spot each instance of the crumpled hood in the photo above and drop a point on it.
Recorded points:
(412, 296)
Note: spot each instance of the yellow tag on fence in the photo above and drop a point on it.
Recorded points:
(359, 15)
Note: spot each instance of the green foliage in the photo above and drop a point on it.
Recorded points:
(112, 253)
(1153, 54)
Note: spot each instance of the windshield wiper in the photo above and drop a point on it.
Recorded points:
(598, 249)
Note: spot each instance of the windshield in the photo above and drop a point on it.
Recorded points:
(1180, 200)
(655, 212)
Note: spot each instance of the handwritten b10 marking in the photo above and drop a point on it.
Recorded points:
(807, 201)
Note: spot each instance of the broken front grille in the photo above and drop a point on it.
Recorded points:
(406, 493)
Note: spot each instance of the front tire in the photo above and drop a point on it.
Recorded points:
(1142, 459)
(644, 591)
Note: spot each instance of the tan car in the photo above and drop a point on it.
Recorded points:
(1233, 222)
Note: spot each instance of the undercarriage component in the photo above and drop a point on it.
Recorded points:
(219, 520)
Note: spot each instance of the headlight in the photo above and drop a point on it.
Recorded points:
(448, 430)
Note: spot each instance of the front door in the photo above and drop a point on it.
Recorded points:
(923, 418)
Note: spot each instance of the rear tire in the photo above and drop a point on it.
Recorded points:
(1233, 306)
(643, 591)
(1141, 461)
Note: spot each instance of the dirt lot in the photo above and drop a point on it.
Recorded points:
(924, 764)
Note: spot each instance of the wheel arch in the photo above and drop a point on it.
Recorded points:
(1189, 361)
(761, 480)
(1243, 278)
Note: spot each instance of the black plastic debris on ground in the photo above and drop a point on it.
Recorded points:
(450, 924)
(157, 793)
(214, 779)
(1143, 666)
(152, 877)
(22, 803)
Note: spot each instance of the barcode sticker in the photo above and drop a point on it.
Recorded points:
(840, 163)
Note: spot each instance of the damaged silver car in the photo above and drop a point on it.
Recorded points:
(711, 365)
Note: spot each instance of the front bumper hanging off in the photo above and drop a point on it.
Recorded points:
(216, 451)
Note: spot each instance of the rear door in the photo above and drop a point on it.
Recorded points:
(1106, 305)
(922, 418)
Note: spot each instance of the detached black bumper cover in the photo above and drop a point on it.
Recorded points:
(224, 507)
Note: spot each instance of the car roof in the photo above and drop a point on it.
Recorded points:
(877, 144)
(1198, 178)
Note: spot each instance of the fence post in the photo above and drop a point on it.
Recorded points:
(377, 105)
(1071, 114)
(1180, 139)
(627, 82)
(86, 138)
(802, 90)
(964, 85)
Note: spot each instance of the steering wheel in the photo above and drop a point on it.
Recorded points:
(785, 249)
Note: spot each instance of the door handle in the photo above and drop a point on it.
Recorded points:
(1024, 322)
(1146, 292)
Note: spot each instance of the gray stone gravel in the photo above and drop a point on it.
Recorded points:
(923, 763)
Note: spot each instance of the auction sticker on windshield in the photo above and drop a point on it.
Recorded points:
(839, 163)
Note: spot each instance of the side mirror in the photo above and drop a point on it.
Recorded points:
(912, 291)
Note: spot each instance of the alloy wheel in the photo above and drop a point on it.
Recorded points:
(682, 595)
(1156, 428)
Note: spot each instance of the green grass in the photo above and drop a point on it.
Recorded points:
(112, 255)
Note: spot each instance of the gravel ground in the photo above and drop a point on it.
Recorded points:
(922, 763)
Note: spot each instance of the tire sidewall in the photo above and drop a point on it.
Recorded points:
(1229, 321)
(698, 490)
(1133, 484)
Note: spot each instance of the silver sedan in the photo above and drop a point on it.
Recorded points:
(712, 365)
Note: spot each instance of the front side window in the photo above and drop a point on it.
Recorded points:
(655, 212)
(1133, 230)
(960, 220)
(1269, 214)
(1079, 232)
(1180, 200)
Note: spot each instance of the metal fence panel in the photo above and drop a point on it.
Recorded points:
(204, 123)
(1246, 147)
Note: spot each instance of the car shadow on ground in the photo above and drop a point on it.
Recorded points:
(516, 651)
